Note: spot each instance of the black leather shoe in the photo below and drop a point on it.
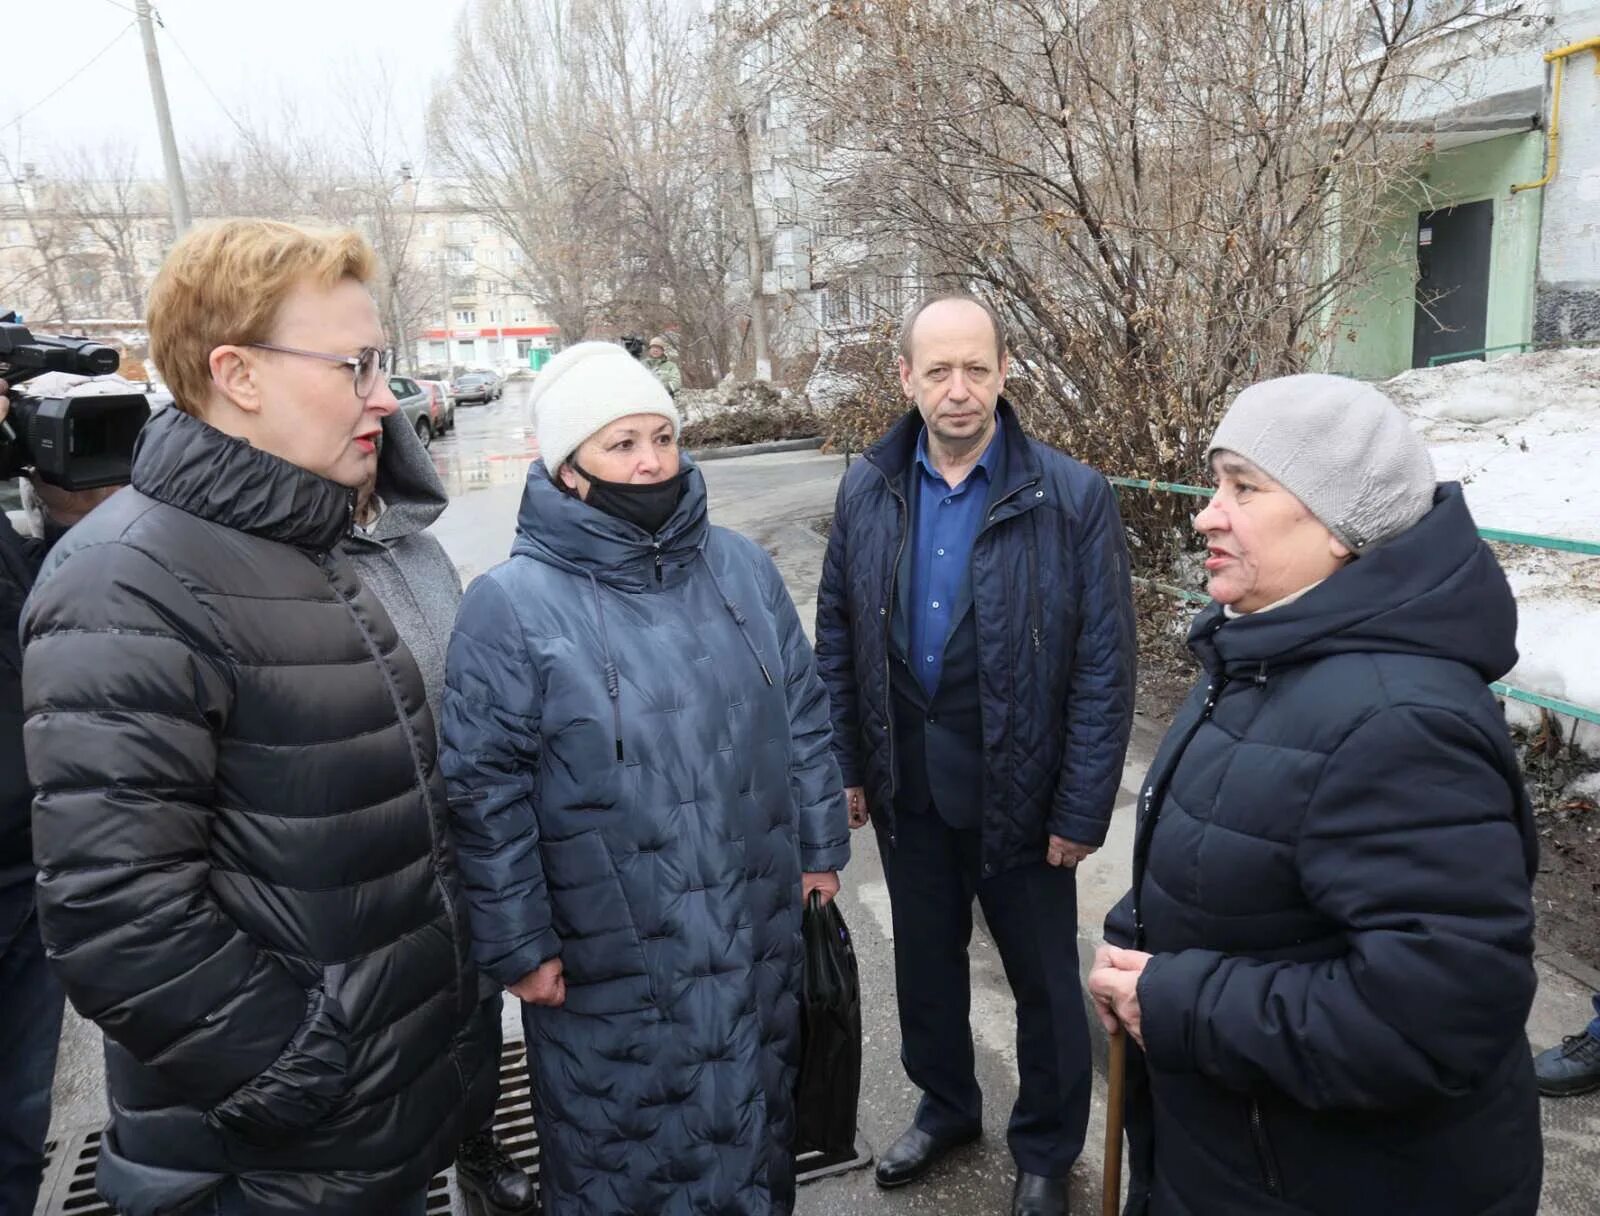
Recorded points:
(915, 1153)
(491, 1182)
(1573, 1068)
(1036, 1196)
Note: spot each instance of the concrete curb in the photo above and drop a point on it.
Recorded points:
(701, 455)
(1573, 968)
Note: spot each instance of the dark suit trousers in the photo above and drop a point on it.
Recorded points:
(933, 873)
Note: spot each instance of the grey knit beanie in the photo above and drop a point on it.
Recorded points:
(1340, 446)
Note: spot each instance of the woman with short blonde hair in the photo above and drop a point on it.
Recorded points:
(239, 818)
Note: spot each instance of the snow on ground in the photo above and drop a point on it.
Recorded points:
(1522, 435)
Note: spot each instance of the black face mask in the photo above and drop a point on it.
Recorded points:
(646, 505)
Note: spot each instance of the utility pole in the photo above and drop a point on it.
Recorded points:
(176, 192)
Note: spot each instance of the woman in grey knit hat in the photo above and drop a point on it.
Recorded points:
(1326, 959)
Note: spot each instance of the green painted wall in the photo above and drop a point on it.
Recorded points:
(1375, 340)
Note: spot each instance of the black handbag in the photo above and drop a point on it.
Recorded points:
(828, 1090)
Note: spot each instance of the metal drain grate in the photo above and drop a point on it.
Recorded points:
(73, 1192)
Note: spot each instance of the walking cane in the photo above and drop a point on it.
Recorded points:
(1116, 1098)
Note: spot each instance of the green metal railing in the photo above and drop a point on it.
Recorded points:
(1532, 540)
(1459, 355)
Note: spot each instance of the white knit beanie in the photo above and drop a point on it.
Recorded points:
(1340, 446)
(588, 387)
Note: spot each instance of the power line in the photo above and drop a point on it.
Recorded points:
(199, 75)
(99, 55)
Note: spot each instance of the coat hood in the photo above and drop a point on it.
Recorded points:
(413, 496)
(558, 529)
(1435, 590)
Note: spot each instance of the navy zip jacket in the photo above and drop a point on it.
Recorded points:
(1056, 646)
(1333, 872)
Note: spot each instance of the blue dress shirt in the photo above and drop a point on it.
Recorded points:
(946, 523)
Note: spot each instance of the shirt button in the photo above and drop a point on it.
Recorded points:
(930, 658)
(935, 603)
(947, 502)
(941, 552)
(932, 719)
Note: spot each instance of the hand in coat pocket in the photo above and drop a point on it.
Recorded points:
(542, 986)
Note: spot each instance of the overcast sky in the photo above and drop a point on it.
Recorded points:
(250, 55)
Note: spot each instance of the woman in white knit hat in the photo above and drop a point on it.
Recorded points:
(636, 745)
(1327, 954)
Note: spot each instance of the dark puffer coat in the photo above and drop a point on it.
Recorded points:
(1056, 646)
(1333, 872)
(242, 840)
(19, 562)
(636, 744)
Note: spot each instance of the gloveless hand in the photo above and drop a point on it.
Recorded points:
(1064, 852)
(826, 882)
(545, 985)
(1114, 985)
(856, 796)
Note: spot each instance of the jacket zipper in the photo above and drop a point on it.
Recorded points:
(436, 852)
(1033, 581)
(994, 518)
(657, 547)
(1264, 1153)
(1154, 794)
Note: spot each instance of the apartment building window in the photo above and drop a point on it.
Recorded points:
(524, 349)
(494, 316)
(466, 316)
(513, 255)
(519, 316)
(462, 230)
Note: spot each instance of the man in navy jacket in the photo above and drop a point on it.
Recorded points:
(975, 631)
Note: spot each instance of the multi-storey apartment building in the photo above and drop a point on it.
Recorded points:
(1499, 244)
(80, 255)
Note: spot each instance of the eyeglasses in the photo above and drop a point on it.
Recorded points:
(365, 368)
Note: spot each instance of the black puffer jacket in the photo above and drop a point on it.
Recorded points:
(1333, 872)
(19, 561)
(242, 839)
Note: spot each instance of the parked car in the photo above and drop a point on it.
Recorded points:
(416, 404)
(477, 388)
(444, 405)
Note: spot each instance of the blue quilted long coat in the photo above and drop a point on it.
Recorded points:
(636, 743)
